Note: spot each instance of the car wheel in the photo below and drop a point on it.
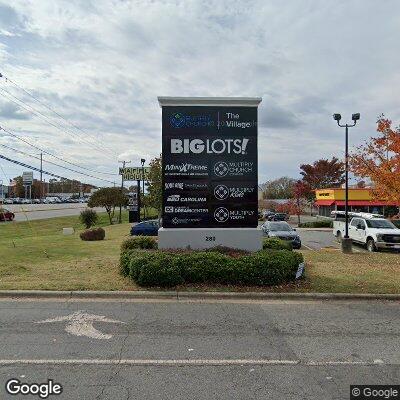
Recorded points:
(371, 245)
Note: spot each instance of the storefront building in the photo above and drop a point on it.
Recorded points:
(360, 200)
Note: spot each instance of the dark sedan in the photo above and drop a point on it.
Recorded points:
(280, 217)
(6, 215)
(146, 228)
(282, 230)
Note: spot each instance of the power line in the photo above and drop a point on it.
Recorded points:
(52, 110)
(31, 167)
(50, 122)
(50, 154)
(55, 164)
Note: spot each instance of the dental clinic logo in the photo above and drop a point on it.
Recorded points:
(180, 120)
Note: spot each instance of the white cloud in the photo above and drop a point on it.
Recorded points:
(102, 64)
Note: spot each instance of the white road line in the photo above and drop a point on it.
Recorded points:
(307, 247)
(187, 362)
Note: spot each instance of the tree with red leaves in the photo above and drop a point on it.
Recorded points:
(323, 174)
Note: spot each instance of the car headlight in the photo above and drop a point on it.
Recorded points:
(379, 237)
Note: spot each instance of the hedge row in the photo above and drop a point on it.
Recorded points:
(139, 242)
(317, 224)
(93, 234)
(274, 243)
(168, 269)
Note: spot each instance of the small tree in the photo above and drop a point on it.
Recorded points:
(88, 217)
(109, 198)
(300, 191)
(281, 188)
(154, 185)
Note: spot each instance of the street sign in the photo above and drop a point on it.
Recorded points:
(27, 178)
(134, 173)
(209, 166)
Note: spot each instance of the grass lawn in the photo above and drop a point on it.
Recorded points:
(36, 255)
(333, 271)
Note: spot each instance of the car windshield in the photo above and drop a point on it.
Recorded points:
(279, 226)
(380, 224)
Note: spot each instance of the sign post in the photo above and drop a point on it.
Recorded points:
(209, 172)
(27, 180)
(135, 174)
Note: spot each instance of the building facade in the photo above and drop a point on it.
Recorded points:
(360, 200)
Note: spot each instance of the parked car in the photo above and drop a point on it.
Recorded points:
(280, 217)
(282, 230)
(375, 232)
(6, 215)
(8, 201)
(267, 214)
(146, 228)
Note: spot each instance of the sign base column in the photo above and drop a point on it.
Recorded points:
(249, 239)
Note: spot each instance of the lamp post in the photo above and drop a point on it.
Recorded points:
(346, 241)
(142, 161)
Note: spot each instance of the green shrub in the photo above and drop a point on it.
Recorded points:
(88, 217)
(317, 224)
(171, 268)
(158, 270)
(139, 242)
(93, 234)
(274, 243)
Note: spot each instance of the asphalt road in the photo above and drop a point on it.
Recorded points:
(32, 212)
(200, 350)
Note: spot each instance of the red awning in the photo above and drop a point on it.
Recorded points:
(364, 203)
(324, 202)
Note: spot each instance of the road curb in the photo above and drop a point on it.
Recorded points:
(175, 295)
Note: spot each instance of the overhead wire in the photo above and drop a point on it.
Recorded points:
(55, 164)
(54, 111)
(50, 122)
(51, 154)
(49, 162)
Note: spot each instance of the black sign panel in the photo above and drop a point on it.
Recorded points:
(209, 166)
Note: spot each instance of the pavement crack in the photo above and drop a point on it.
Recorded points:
(118, 366)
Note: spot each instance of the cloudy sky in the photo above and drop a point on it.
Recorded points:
(101, 64)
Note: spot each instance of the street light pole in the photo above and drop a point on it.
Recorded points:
(346, 241)
(142, 161)
(346, 204)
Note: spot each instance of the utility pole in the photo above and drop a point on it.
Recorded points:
(122, 187)
(41, 176)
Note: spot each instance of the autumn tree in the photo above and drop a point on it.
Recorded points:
(300, 192)
(378, 159)
(323, 173)
(281, 188)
